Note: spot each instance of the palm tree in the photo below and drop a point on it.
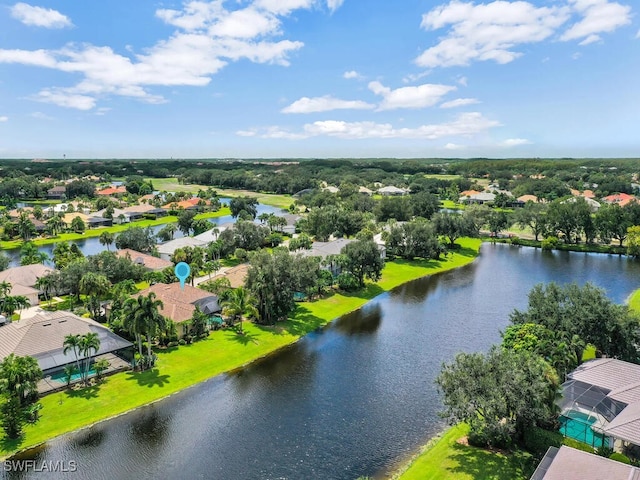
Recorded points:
(56, 224)
(21, 302)
(5, 288)
(239, 303)
(95, 286)
(72, 342)
(26, 228)
(19, 376)
(88, 343)
(45, 285)
(142, 317)
(29, 254)
(106, 238)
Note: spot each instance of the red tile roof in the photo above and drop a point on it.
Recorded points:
(112, 190)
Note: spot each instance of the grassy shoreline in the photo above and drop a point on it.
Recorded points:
(96, 232)
(223, 351)
(446, 456)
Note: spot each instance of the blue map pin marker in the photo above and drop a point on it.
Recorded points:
(182, 271)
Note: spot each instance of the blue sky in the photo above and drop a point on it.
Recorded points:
(319, 78)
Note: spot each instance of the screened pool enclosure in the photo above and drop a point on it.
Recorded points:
(585, 410)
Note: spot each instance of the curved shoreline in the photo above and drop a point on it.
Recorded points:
(323, 312)
(96, 232)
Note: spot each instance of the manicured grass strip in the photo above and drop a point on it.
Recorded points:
(222, 351)
(445, 459)
(634, 301)
(96, 232)
(172, 185)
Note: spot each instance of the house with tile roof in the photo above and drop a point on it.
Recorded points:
(149, 262)
(621, 199)
(23, 280)
(167, 249)
(113, 190)
(42, 337)
(566, 463)
(179, 303)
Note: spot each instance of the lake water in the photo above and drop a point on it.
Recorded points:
(92, 245)
(353, 399)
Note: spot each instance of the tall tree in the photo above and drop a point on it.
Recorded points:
(29, 254)
(106, 238)
(246, 204)
(362, 259)
(26, 228)
(500, 394)
(142, 317)
(95, 286)
(239, 304)
(534, 216)
(88, 345)
(72, 342)
(586, 312)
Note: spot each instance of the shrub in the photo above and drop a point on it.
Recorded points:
(241, 254)
(550, 243)
(537, 441)
(578, 445)
(347, 282)
(514, 240)
(172, 344)
(604, 451)
(618, 457)
(491, 435)
(182, 341)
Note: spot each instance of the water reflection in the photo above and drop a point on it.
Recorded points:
(365, 321)
(346, 401)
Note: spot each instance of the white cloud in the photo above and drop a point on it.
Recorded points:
(598, 16)
(4, 118)
(576, 56)
(352, 74)
(462, 81)
(420, 96)
(487, 31)
(454, 146)
(66, 99)
(334, 4)
(638, 34)
(459, 102)
(325, 104)
(590, 39)
(208, 37)
(39, 17)
(494, 30)
(514, 142)
(466, 125)
(414, 77)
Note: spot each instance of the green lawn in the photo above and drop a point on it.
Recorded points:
(445, 459)
(172, 185)
(441, 176)
(222, 351)
(96, 232)
(634, 301)
(451, 205)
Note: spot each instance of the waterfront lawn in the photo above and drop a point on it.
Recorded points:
(445, 458)
(223, 351)
(634, 301)
(96, 232)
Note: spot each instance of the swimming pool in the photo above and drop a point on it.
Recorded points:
(577, 425)
(62, 378)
